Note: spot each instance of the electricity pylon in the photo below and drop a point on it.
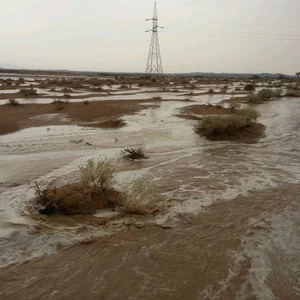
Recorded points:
(154, 64)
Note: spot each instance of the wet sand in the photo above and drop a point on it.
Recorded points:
(13, 118)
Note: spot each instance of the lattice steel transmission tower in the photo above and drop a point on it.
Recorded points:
(154, 64)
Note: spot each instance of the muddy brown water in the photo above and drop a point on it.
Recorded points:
(233, 231)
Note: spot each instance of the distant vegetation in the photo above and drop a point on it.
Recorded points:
(28, 92)
(265, 95)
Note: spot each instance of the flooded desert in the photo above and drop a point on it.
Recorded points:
(225, 215)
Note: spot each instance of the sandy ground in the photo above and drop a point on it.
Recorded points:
(13, 118)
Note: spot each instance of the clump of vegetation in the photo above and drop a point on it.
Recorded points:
(217, 125)
(291, 93)
(210, 91)
(137, 197)
(28, 92)
(136, 152)
(67, 96)
(265, 95)
(59, 101)
(234, 107)
(224, 88)
(249, 87)
(97, 176)
(293, 86)
(94, 191)
(12, 102)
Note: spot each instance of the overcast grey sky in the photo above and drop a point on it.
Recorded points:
(199, 35)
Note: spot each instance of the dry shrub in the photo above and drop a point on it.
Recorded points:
(97, 175)
(95, 191)
(136, 152)
(136, 196)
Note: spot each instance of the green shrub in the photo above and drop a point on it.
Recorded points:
(265, 95)
(248, 113)
(231, 124)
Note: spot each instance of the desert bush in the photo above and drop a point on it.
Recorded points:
(249, 87)
(47, 201)
(136, 196)
(234, 107)
(59, 101)
(136, 152)
(28, 92)
(231, 124)
(291, 93)
(211, 91)
(254, 99)
(293, 86)
(265, 95)
(67, 96)
(95, 191)
(13, 102)
(97, 175)
(224, 88)
(250, 114)
(43, 85)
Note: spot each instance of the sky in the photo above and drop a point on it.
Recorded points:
(236, 36)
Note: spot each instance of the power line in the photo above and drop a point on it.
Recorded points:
(233, 23)
(233, 36)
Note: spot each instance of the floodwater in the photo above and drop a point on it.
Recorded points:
(231, 230)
